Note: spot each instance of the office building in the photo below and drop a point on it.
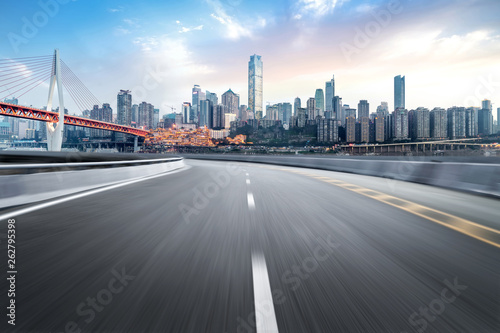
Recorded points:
(186, 111)
(219, 116)
(311, 108)
(231, 101)
(206, 113)
(156, 117)
(319, 97)
(329, 94)
(296, 105)
(399, 92)
(363, 109)
(255, 85)
(383, 109)
(337, 112)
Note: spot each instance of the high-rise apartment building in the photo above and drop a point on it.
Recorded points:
(255, 85)
(399, 92)
(456, 122)
(379, 129)
(438, 123)
(350, 129)
(400, 124)
(419, 123)
(124, 105)
(319, 97)
(364, 129)
(327, 130)
(470, 123)
(146, 115)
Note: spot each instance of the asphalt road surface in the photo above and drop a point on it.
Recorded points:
(241, 247)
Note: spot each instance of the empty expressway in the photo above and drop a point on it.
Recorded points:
(241, 247)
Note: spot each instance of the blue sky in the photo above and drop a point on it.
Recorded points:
(448, 50)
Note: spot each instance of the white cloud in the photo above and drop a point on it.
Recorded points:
(365, 8)
(316, 8)
(131, 22)
(173, 53)
(184, 29)
(121, 31)
(115, 10)
(234, 29)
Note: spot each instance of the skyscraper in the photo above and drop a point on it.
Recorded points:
(156, 117)
(255, 99)
(212, 97)
(399, 92)
(186, 111)
(319, 96)
(337, 111)
(124, 104)
(419, 123)
(197, 96)
(206, 113)
(400, 124)
(311, 108)
(329, 94)
(363, 109)
(230, 100)
(438, 123)
(296, 106)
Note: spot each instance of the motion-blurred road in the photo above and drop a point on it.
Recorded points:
(179, 253)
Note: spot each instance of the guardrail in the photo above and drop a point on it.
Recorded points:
(480, 178)
(53, 167)
(27, 183)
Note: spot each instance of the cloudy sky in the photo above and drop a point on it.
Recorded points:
(449, 50)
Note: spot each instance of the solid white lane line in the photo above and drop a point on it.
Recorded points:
(26, 210)
(265, 316)
(251, 201)
(248, 181)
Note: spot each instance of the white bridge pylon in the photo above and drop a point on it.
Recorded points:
(55, 130)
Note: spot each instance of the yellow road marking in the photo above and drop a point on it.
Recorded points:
(469, 228)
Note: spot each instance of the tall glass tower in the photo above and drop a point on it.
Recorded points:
(255, 100)
(319, 96)
(329, 94)
(399, 92)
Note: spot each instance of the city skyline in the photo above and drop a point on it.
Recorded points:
(161, 62)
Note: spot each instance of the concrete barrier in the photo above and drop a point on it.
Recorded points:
(481, 176)
(23, 188)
